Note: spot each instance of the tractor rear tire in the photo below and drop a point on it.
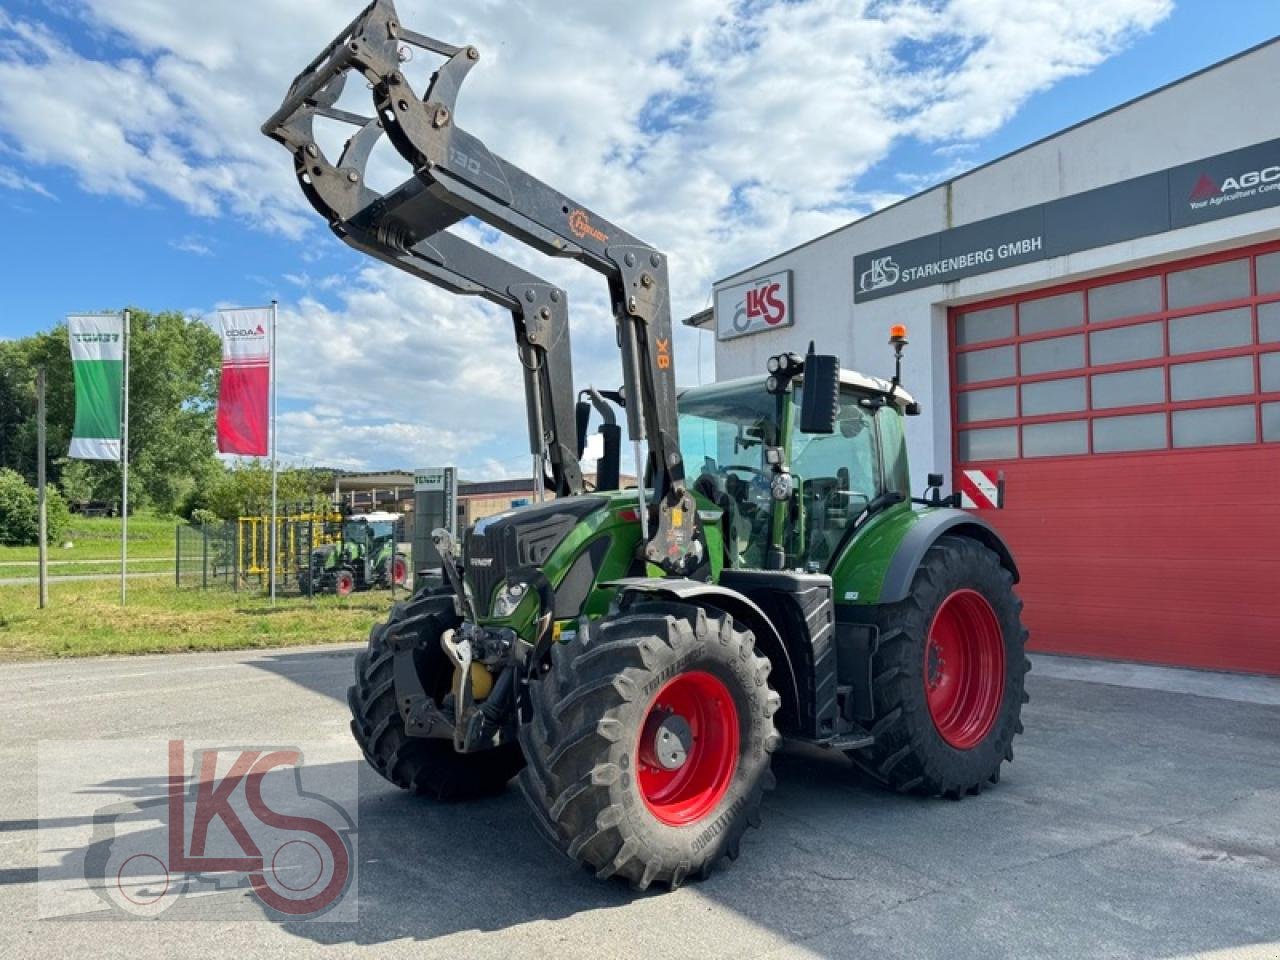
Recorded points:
(948, 676)
(421, 765)
(648, 750)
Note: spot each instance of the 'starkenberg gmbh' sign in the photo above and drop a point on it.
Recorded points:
(1221, 186)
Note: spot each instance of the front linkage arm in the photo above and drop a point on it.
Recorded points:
(461, 177)
(389, 228)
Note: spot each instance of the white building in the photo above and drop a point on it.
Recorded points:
(1097, 318)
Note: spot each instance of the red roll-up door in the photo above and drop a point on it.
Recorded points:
(1136, 419)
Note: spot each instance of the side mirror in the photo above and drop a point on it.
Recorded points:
(582, 418)
(821, 404)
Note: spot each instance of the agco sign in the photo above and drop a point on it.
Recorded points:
(754, 306)
(1210, 192)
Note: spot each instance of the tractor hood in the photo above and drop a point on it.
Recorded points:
(519, 539)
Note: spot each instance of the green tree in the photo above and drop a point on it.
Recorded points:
(173, 388)
(19, 511)
(77, 482)
(245, 490)
(17, 409)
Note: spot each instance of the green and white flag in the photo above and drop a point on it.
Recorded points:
(97, 357)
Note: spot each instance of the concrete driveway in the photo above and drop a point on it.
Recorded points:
(1140, 819)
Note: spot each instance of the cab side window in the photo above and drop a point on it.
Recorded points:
(893, 444)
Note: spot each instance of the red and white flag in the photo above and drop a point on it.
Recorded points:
(244, 409)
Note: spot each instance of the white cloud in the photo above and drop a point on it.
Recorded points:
(194, 244)
(12, 180)
(720, 130)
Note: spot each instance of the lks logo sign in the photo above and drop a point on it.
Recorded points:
(882, 273)
(754, 306)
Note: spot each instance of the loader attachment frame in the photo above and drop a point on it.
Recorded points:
(539, 310)
(457, 176)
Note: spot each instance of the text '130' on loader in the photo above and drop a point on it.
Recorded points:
(637, 655)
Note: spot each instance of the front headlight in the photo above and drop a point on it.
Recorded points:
(508, 599)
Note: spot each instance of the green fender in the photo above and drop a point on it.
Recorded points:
(877, 565)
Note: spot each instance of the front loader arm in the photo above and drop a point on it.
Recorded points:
(374, 225)
(461, 177)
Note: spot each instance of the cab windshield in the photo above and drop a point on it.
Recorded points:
(724, 431)
(360, 531)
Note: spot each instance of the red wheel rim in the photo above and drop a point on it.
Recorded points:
(398, 571)
(346, 583)
(696, 709)
(964, 669)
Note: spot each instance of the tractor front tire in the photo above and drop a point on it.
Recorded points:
(948, 676)
(420, 765)
(649, 748)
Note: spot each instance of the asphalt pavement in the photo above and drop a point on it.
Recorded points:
(1140, 819)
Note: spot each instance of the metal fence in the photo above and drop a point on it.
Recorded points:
(236, 555)
(206, 556)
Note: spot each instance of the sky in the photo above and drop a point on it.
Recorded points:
(133, 172)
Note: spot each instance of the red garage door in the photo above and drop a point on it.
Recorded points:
(1137, 420)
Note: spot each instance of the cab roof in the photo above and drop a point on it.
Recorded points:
(848, 378)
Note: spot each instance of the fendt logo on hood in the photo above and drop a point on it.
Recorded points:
(1209, 192)
(241, 334)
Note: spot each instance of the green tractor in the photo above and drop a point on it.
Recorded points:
(635, 656)
(365, 557)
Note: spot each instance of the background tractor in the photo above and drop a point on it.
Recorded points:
(636, 656)
(364, 557)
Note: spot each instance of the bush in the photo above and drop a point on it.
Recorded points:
(19, 511)
(201, 517)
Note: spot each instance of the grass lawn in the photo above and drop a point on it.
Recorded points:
(85, 619)
(96, 548)
(30, 571)
(98, 538)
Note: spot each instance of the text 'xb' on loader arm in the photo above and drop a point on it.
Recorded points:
(458, 176)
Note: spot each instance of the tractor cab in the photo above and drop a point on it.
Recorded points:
(801, 493)
(363, 535)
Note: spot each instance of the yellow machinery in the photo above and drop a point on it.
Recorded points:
(297, 535)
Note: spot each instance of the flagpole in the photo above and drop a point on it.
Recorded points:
(43, 506)
(275, 546)
(124, 470)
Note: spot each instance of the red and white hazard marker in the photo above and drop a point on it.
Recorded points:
(981, 490)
